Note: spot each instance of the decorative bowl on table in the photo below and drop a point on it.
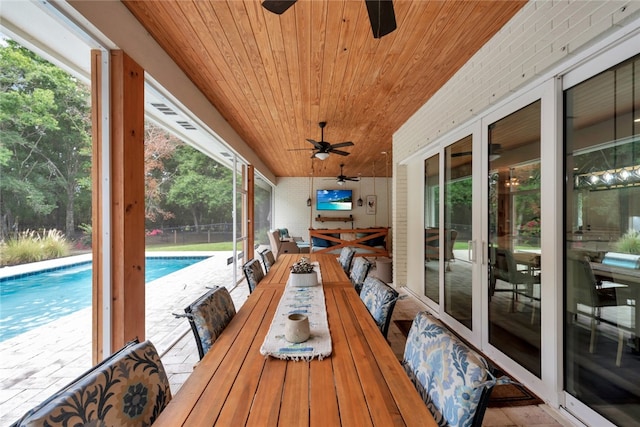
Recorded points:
(303, 274)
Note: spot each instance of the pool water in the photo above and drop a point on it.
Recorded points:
(32, 300)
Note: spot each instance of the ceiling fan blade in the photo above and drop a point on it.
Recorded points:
(316, 144)
(339, 152)
(342, 144)
(277, 7)
(382, 17)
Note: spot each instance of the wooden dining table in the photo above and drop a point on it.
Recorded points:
(361, 383)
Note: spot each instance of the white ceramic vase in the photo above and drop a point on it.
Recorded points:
(304, 279)
(297, 328)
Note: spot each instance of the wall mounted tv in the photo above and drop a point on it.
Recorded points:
(334, 200)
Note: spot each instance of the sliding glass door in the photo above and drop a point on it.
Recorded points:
(457, 232)
(602, 246)
(514, 230)
(432, 228)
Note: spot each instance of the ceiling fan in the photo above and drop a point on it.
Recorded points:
(322, 149)
(342, 178)
(381, 14)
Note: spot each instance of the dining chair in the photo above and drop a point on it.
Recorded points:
(452, 379)
(380, 299)
(267, 259)
(597, 295)
(253, 273)
(208, 316)
(345, 258)
(359, 272)
(522, 283)
(130, 387)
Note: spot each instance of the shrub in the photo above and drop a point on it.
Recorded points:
(31, 247)
(629, 243)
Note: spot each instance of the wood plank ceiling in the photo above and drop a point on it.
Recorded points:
(274, 77)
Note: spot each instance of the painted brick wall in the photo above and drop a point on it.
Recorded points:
(540, 36)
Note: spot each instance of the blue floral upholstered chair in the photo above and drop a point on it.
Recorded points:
(253, 273)
(345, 258)
(453, 380)
(267, 259)
(380, 299)
(359, 272)
(129, 388)
(208, 316)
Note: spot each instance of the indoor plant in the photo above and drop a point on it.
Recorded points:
(303, 274)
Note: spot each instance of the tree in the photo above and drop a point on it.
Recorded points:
(159, 147)
(201, 186)
(45, 139)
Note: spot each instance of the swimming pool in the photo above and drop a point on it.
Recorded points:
(34, 299)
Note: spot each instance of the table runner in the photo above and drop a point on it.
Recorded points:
(304, 300)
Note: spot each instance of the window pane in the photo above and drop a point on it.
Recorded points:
(602, 271)
(431, 227)
(458, 197)
(514, 236)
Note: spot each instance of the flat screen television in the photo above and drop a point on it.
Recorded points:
(334, 200)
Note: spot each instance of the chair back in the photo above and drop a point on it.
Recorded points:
(208, 316)
(346, 256)
(130, 388)
(591, 288)
(267, 259)
(380, 299)
(253, 273)
(453, 380)
(503, 265)
(274, 242)
(359, 272)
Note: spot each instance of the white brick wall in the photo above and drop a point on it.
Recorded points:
(539, 37)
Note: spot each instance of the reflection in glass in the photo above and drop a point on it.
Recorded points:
(458, 197)
(514, 236)
(602, 246)
(431, 227)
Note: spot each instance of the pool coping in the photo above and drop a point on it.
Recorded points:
(53, 264)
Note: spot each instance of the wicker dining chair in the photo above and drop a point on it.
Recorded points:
(253, 273)
(380, 299)
(346, 257)
(267, 259)
(130, 387)
(208, 316)
(359, 272)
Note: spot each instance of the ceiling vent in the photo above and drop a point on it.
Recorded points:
(164, 109)
(186, 125)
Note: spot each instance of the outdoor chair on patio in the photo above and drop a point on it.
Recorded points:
(208, 316)
(453, 380)
(359, 272)
(129, 388)
(380, 299)
(267, 259)
(345, 258)
(253, 273)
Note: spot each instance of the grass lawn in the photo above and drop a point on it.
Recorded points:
(217, 246)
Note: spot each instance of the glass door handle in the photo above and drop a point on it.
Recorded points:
(471, 250)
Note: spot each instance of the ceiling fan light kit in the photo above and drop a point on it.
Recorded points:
(321, 149)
